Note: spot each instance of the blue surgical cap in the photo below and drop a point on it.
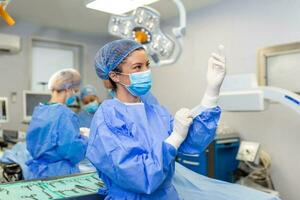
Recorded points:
(112, 54)
(88, 90)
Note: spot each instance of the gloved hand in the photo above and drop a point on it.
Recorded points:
(182, 122)
(85, 131)
(215, 75)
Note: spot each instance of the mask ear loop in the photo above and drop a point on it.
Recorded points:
(125, 84)
(124, 75)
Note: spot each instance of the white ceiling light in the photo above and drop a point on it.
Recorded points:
(117, 7)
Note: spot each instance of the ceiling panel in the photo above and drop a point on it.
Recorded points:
(72, 15)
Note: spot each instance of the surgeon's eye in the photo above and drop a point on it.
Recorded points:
(137, 67)
(148, 65)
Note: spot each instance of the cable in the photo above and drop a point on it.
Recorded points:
(261, 173)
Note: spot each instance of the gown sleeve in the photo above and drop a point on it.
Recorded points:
(202, 131)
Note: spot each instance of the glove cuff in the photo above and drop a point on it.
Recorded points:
(174, 139)
(209, 101)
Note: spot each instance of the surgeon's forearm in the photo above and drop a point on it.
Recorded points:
(175, 140)
(209, 101)
(202, 132)
(206, 103)
(78, 151)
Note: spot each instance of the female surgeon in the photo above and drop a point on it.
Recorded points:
(53, 138)
(133, 144)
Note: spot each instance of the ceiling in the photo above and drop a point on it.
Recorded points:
(72, 15)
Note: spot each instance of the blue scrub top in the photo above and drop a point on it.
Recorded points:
(54, 142)
(85, 119)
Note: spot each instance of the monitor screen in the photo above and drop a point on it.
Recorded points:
(3, 110)
(31, 100)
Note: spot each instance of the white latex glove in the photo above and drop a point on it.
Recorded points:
(215, 75)
(182, 122)
(85, 131)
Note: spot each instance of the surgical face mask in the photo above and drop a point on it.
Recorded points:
(71, 99)
(140, 83)
(91, 107)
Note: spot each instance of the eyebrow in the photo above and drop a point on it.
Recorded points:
(139, 63)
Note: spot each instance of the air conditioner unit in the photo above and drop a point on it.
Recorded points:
(10, 43)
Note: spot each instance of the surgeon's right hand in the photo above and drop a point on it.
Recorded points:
(182, 121)
(215, 76)
(85, 131)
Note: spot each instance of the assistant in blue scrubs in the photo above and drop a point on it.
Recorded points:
(90, 103)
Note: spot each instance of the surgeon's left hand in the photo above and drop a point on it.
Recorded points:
(182, 122)
(215, 75)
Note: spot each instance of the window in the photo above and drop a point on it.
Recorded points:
(279, 66)
(49, 57)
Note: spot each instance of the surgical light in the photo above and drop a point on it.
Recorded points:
(143, 25)
(117, 7)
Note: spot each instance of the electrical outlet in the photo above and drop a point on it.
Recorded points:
(248, 151)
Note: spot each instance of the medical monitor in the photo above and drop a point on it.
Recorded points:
(31, 100)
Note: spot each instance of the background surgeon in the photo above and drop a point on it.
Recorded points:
(53, 138)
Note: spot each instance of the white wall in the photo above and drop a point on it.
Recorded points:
(15, 69)
(243, 27)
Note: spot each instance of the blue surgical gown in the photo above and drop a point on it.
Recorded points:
(54, 142)
(127, 147)
(149, 98)
(85, 119)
